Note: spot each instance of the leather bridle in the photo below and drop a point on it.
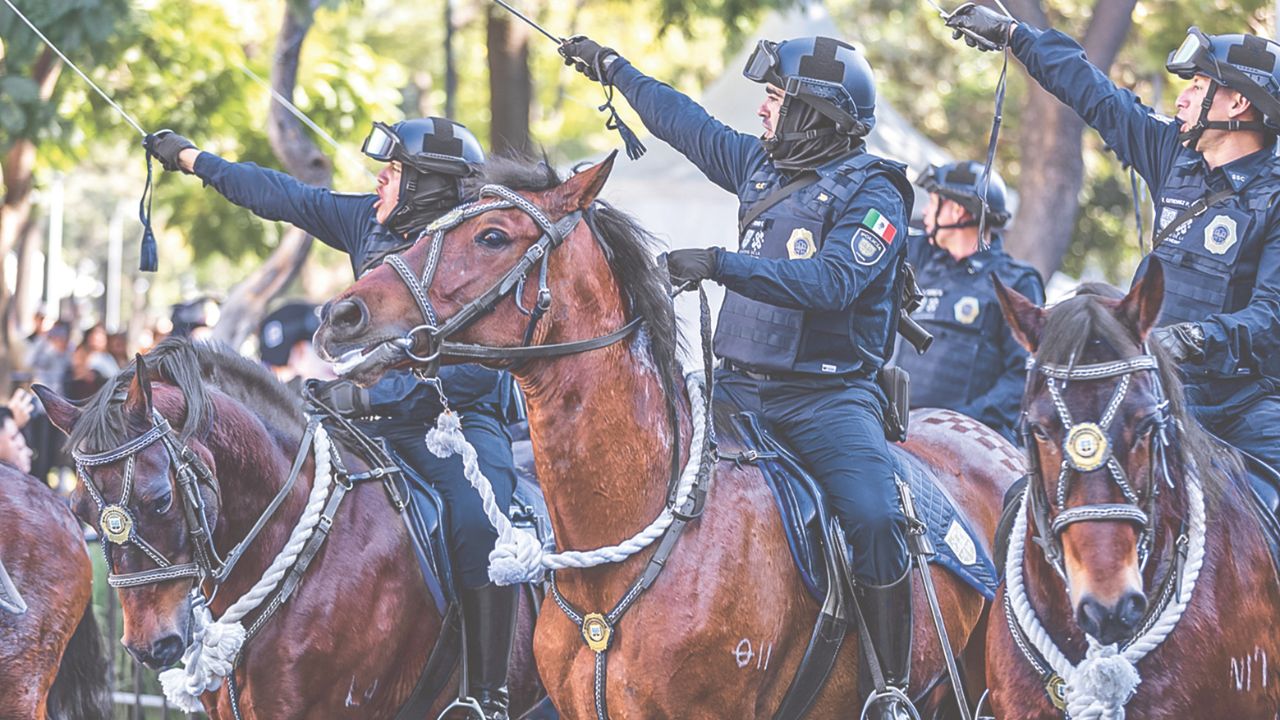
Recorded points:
(433, 336)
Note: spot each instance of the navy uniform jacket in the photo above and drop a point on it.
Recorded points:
(1222, 269)
(975, 366)
(832, 285)
(347, 222)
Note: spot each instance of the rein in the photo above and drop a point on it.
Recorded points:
(1107, 678)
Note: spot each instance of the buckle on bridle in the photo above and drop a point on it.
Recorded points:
(411, 340)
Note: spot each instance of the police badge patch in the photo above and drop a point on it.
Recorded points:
(868, 248)
(801, 245)
(966, 309)
(1220, 235)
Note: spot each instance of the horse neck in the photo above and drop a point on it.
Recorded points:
(252, 467)
(603, 440)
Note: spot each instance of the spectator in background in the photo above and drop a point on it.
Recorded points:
(91, 365)
(284, 343)
(118, 347)
(13, 446)
(50, 363)
(195, 319)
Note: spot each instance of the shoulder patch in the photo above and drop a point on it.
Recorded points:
(880, 225)
(867, 247)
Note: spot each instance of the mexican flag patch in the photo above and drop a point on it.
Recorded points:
(880, 225)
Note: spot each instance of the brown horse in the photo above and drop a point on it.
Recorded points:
(604, 443)
(52, 663)
(1150, 543)
(352, 639)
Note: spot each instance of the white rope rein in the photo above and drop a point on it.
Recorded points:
(1107, 678)
(517, 556)
(215, 644)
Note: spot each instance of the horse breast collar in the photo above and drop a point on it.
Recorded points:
(118, 525)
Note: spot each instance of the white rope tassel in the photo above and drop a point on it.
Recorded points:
(215, 644)
(517, 556)
(1106, 679)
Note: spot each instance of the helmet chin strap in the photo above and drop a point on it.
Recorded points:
(1191, 137)
(932, 235)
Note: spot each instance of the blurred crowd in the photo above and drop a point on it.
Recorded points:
(77, 361)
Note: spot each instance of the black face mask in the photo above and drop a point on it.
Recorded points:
(805, 139)
(423, 198)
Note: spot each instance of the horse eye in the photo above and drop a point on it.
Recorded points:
(493, 238)
(162, 504)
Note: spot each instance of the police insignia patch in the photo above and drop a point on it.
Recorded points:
(801, 244)
(967, 309)
(868, 248)
(1220, 235)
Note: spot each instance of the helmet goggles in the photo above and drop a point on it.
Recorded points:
(382, 144)
(1194, 55)
(762, 66)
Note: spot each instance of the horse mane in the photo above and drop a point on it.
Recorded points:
(630, 250)
(192, 368)
(1088, 318)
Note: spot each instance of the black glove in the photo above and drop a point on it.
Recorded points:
(691, 266)
(1184, 341)
(344, 397)
(981, 27)
(165, 145)
(588, 57)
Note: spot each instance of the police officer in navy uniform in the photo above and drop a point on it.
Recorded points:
(810, 305)
(974, 366)
(426, 160)
(1215, 178)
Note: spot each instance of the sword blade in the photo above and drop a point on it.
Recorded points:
(931, 595)
(531, 23)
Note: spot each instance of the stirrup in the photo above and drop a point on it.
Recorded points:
(893, 694)
(470, 704)
(982, 703)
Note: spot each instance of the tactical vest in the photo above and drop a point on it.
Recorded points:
(767, 337)
(1211, 261)
(961, 310)
(378, 243)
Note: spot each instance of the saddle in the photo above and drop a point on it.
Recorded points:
(1264, 494)
(805, 513)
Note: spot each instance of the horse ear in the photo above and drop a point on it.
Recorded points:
(61, 412)
(1025, 318)
(140, 389)
(1140, 308)
(579, 191)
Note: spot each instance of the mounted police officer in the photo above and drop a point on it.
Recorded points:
(426, 160)
(974, 366)
(1216, 180)
(810, 304)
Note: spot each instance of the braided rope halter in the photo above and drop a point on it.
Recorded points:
(1107, 678)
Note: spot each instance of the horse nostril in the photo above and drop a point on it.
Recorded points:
(1130, 610)
(167, 650)
(1091, 616)
(348, 316)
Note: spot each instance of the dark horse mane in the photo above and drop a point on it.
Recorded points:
(193, 368)
(629, 248)
(1086, 318)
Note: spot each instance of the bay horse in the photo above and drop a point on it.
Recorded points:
(352, 640)
(604, 441)
(1139, 580)
(52, 662)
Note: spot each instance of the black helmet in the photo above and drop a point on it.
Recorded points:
(286, 326)
(961, 182)
(1248, 64)
(435, 153)
(829, 75)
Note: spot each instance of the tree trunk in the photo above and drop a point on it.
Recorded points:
(19, 166)
(510, 83)
(1050, 144)
(248, 300)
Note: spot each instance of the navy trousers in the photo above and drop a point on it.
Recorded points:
(1254, 429)
(834, 425)
(471, 536)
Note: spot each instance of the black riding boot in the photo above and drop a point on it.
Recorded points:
(490, 615)
(887, 609)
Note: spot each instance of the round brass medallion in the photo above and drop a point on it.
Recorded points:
(117, 524)
(1087, 447)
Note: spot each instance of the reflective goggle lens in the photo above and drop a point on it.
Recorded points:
(381, 143)
(763, 59)
(1184, 57)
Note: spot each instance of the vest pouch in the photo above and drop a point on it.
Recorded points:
(943, 375)
(1195, 286)
(758, 335)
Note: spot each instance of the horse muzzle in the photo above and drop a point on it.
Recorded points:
(1110, 623)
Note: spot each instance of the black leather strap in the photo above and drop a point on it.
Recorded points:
(805, 179)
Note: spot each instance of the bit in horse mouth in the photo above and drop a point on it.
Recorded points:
(355, 358)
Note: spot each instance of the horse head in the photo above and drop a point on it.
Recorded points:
(141, 485)
(479, 276)
(1097, 422)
